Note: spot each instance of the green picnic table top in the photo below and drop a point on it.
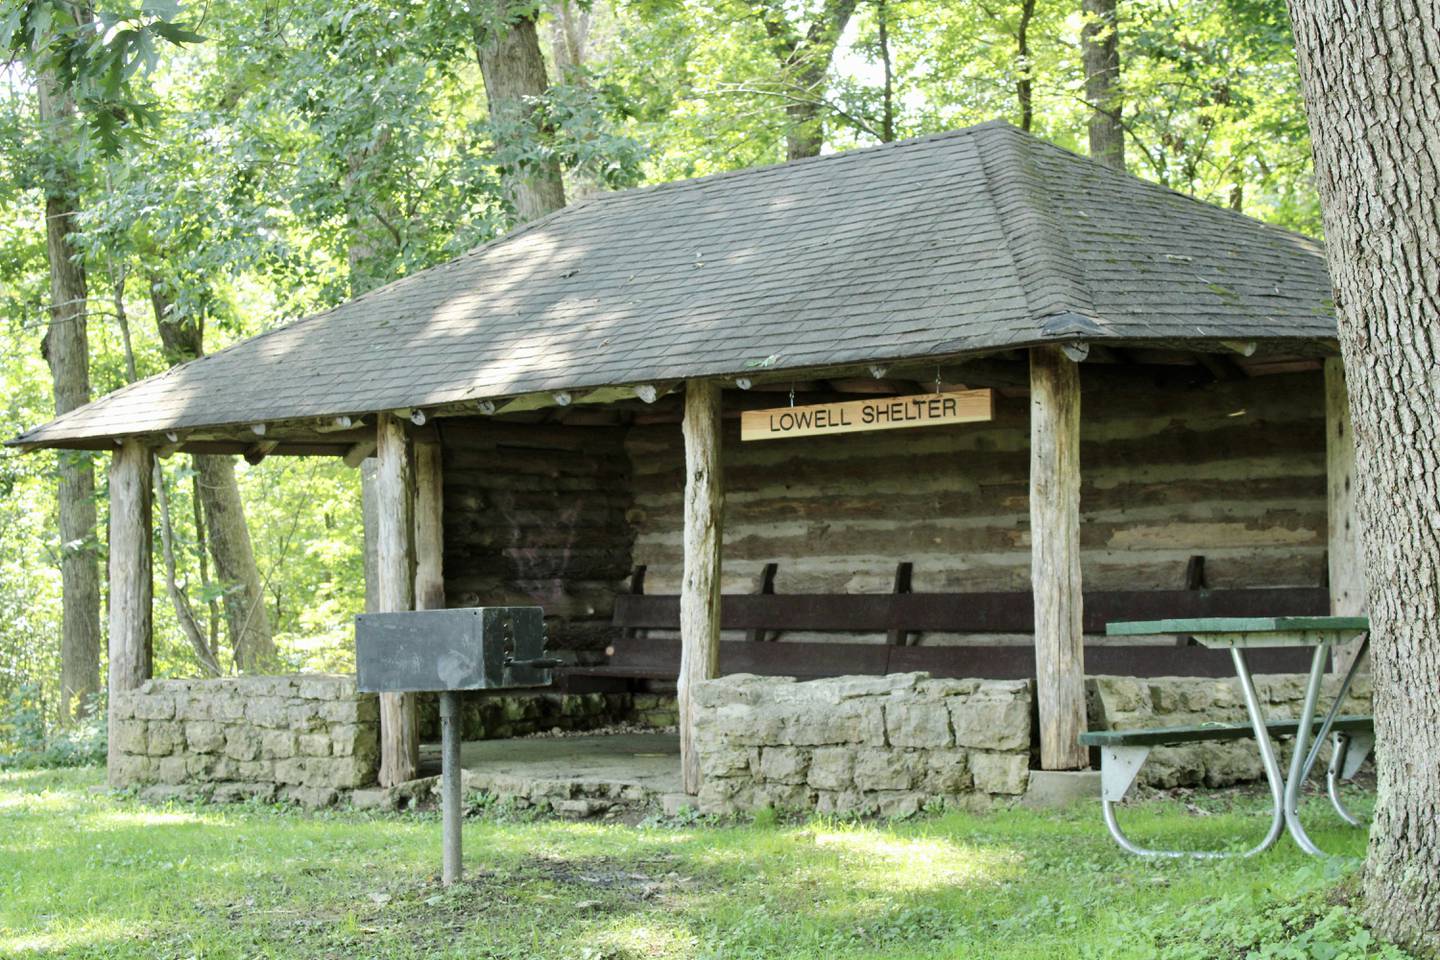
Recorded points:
(1203, 625)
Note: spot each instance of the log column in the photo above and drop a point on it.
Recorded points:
(394, 490)
(1347, 561)
(700, 589)
(429, 527)
(131, 657)
(1055, 557)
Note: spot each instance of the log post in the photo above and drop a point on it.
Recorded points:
(370, 522)
(429, 527)
(1055, 557)
(131, 657)
(1346, 559)
(394, 488)
(700, 589)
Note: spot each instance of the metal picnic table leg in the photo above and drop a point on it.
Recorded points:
(1267, 758)
(1342, 741)
(1267, 752)
(1300, 762)
(450, 785)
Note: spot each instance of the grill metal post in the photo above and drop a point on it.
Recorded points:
(450, 783)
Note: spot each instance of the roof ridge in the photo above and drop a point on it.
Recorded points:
(1050, 276)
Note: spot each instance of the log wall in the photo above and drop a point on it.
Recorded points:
(536, 514)
(1234, 471)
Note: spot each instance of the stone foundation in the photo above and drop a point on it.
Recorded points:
(886, 744)
(310, 739)
(1128, 703)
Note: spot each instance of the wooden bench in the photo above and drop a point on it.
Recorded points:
(900, 615)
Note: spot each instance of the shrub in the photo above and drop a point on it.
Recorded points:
(25, 743)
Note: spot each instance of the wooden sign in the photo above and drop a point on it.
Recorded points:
(879, 413)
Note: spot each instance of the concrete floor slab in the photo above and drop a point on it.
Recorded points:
(603, 767)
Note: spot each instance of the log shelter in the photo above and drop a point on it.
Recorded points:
(554, 418)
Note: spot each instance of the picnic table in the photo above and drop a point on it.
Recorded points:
(1123, 752)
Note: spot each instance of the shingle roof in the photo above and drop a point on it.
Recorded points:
(977, 239)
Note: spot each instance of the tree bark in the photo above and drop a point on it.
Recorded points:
(804, 61)
(394, 494)
(131, 656)
(1055, 557)
(1370, 75)
(1100, 53)
(508, 48)
(1025, 85)
(184, 612)
(887, 91)
(246, 616)
(67, 350)
(247, 620)
(700, 588)
(569, 38)
(1347, 564)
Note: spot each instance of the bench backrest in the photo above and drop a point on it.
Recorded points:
(1008, 612)
(660, 658)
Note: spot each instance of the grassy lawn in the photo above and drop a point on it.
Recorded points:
(86, 874)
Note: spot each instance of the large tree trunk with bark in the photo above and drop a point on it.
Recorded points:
(67, 349)
(227, 534)
(1370, 73)
(1100, 52)
(804, 62)
(508, 48)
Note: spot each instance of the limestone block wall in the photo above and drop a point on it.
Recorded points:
(1128, 703)
(878, 744)
(308, 738)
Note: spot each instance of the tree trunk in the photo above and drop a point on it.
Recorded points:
(67, 349)
(1100, 52)
(508, 49)
(887, 91)
(1025, 86)
(184, 612)
(1369, 73)
(246, 618)
(805, 63)
(569, 39)
(804, 126)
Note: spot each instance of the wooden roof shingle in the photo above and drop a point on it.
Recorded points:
(974, 240)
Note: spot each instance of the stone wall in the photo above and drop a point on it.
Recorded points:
(887, 745)
(495, 716)
(1127, 703)
(311, 738)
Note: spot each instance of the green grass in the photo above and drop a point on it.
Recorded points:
(87, 874)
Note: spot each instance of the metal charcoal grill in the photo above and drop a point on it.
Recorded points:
(447, 651)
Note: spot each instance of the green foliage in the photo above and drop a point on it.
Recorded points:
(1260, 924)
(95, 53)
(26, 743)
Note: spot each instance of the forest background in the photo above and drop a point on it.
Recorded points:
(250, 162)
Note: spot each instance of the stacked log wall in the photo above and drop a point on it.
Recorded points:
(1233, 471)
(537, 514)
